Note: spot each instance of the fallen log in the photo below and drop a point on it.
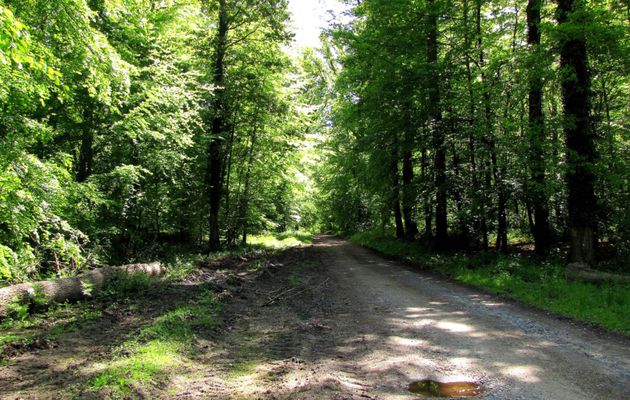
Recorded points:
(581, 272)
(45, 293)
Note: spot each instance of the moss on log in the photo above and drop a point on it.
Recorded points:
(87, 284)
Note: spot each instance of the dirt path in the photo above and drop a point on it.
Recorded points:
(377, 326)
(338, 322)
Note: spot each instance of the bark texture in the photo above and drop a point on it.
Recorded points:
(214, 177)
(435, 116)
(580, 137)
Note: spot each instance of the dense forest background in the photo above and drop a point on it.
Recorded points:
(472, 125)
(484, 123)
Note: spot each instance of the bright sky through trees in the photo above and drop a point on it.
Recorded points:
(309, 17)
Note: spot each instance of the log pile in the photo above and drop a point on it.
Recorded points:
(70, 289)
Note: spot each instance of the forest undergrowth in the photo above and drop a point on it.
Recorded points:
(27, 330)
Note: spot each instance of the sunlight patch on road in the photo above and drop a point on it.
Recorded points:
(407, 342)
(454, 327)
(524, 373)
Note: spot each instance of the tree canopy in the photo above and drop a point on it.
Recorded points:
(470, 124)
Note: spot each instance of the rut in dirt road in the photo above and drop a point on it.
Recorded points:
(379, 326)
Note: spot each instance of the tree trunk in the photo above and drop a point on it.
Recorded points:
(214, 179)
(70, 289)
(435, 117)
(536, 132)
(244, 206)
(580, 139)
(479, 205)
(457, 195)
(492, 167)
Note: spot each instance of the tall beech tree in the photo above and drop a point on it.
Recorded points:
(578, 130)
(435, 122)
(536, 131)
(218, 126)
(238, 24)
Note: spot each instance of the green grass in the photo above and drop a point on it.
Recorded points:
(157, 349)
(164, 346)
(541, 284)
(281, 241)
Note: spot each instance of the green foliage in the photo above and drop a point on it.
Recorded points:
(124, 285)
(384, 122)
(104, 127)
(18, 310)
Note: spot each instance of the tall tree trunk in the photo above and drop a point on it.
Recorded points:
(244, 206)
(230, 235)
(86, 152)
(580, 138)
(492, 167)
(457, 195)
(559, 219)
(214, 179)
(536, 132)
(479, 203)
(435, 116)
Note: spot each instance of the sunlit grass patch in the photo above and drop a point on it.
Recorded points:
(146, 362)
(159, 349)
(242, 368)
(526, 279)
(281, 241)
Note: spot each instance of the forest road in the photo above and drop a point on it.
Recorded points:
(334, 321)
(374, 326)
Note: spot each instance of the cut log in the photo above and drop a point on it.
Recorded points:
(582, 272)
(87, 284)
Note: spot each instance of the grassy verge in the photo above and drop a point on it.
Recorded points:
(25, 331)
(541, 284)
(167, 346)
(157, 350)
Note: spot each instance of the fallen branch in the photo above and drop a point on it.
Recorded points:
(291, 292)
(581, 272)
(45, 293)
